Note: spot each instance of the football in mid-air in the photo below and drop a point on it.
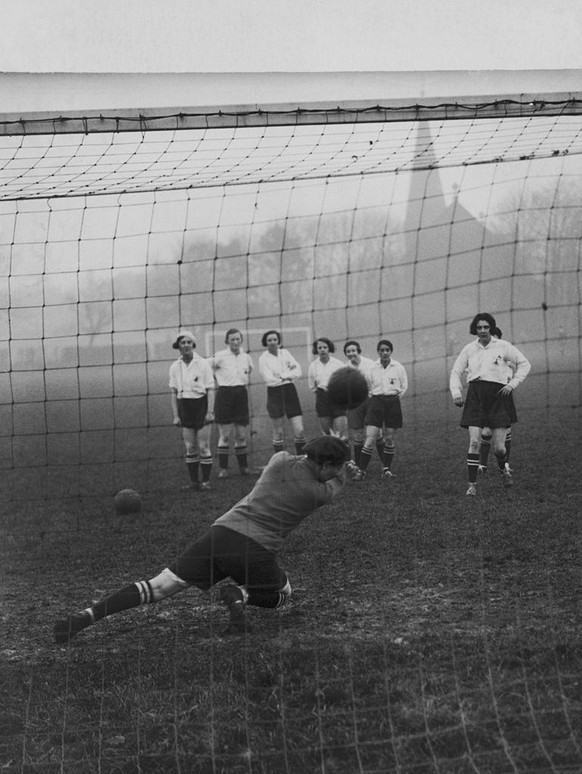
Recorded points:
(127, 501)
(347, 388)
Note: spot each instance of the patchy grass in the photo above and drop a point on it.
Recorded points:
(429, 632)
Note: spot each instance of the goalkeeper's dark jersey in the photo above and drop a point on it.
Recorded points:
(286, 493)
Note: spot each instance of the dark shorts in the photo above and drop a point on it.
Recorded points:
(384, 411)
(232, 406)
(324, 409)
(485, 407)
(283, 401)
(357, 416)
(192, 412)
(223, 553)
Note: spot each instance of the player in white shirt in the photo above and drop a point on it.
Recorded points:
(493, 369)
(320, 370)
(192, 393)
(388, 383)
(280, 370)
(357, 416)
(232, 369)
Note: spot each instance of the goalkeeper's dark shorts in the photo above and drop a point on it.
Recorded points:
(223, 553)
(485, 407)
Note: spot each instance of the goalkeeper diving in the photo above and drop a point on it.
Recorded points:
(242, 544)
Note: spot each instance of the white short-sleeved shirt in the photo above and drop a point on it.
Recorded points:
(231, 370)
(498, 362)
(391, 380)
(193, 379)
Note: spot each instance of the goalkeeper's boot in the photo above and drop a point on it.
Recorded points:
(472, 490)
(64, 631)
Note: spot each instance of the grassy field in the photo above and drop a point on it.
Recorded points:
(429, 632)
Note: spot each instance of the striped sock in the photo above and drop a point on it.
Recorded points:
(380, 450)
(365, 458)
(241, 456)
(206, 467)
(278, 445)
(484, 449)
(222, 452)
(135, 594)
(389, 452)
(193, 465)
(299, 444)
(472, 467)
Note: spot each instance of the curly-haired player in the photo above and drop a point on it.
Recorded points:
(494, 368)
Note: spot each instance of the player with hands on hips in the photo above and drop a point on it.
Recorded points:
(494, 369)
(242, 544)
(192, 394)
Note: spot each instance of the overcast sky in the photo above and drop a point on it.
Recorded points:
(288, 35)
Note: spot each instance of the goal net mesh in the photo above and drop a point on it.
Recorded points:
(112, 242)
(427, 634)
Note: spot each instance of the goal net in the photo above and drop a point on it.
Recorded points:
(426, 634)
(370, 222)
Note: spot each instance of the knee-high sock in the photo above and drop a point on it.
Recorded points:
(484, 449)
(365, 458)
(193, 465)
(206, 467)
(241, 456)
(389, 452)
(222, 452)
(472, 467)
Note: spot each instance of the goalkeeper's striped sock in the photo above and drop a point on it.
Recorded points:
(135, 594)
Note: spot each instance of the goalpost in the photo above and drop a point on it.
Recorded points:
(397, 220)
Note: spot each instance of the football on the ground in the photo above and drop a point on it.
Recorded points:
(347, 388)
(127, 501)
